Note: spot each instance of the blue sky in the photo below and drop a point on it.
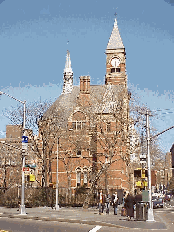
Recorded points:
(34, 38)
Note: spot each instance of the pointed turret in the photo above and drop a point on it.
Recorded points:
(68, 75)
(115, 59)
(115, 41)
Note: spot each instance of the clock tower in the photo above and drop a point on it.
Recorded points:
(115, 59)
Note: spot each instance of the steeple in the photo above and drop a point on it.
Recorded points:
(115, 40)
(67, 75)
(115, 59)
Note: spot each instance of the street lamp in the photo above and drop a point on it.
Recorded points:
(150, 208)
(22, 206)
(57, 193)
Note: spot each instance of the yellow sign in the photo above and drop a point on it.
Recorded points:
(32, 178)
(144, 183)
(138, 183)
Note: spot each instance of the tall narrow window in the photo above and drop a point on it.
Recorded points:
(78, 125)
(108, 127)
(85, 177)
(78, 177)
(74, 125)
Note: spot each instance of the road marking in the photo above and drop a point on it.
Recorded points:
(95, 229)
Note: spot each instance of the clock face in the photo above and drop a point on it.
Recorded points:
(115, 62)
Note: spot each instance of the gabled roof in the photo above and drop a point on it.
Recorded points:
(102, 98)
(115, 41)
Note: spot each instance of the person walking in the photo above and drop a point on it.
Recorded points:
(129, 205)
(115, 203)
(101, 202)
(108, 200)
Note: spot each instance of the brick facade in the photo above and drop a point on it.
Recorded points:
(91, 123)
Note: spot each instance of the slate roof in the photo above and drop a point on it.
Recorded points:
(101, 98)
(115, 40)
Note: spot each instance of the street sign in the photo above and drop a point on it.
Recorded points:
(32, 178)
(143, 156)
(143, 161)
(24, 139)
(24, 146)
(26, 169)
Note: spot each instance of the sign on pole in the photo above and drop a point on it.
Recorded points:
(24, 143)
(26, 169)
(24, 139)
(143, 159)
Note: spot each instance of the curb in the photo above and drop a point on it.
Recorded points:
(63, 220)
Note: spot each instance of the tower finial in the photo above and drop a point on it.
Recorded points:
(115, 21)
(68, 75)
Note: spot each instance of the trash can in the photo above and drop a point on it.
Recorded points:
(141, 211)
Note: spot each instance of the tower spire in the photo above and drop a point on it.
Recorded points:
(115, 41)
(68, 75)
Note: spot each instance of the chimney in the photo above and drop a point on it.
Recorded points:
(84, 84)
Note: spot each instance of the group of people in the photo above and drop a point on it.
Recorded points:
(107, 201)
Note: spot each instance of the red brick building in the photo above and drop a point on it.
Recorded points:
(87, 126)
(11, 157)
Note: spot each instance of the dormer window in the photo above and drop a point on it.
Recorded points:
(78, 125)
(78, 121)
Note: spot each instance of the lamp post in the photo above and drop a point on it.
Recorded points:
(22, 206)
(57, 193)
(150, 209)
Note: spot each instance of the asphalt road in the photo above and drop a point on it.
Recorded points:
(16, 225)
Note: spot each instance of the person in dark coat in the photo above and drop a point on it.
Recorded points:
(129, 205)
(138, 198)
(108, 201)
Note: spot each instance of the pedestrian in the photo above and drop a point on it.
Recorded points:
(108, 201)
(101, 202)
(18, 206)
(115, 203)
(129, 205)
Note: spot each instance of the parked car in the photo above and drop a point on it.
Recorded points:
(157, 203)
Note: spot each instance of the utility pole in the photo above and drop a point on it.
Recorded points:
(57, 180)
(22, 206)
(150, 208)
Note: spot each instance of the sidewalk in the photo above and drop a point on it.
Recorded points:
(80, 215)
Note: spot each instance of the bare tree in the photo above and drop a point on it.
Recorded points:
(34, 112)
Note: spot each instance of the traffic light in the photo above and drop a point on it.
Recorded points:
(137, 173)
(146, 173)
(141, 173)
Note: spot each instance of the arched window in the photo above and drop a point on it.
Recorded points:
(78, 176)
(85, 176)
(78, 121)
